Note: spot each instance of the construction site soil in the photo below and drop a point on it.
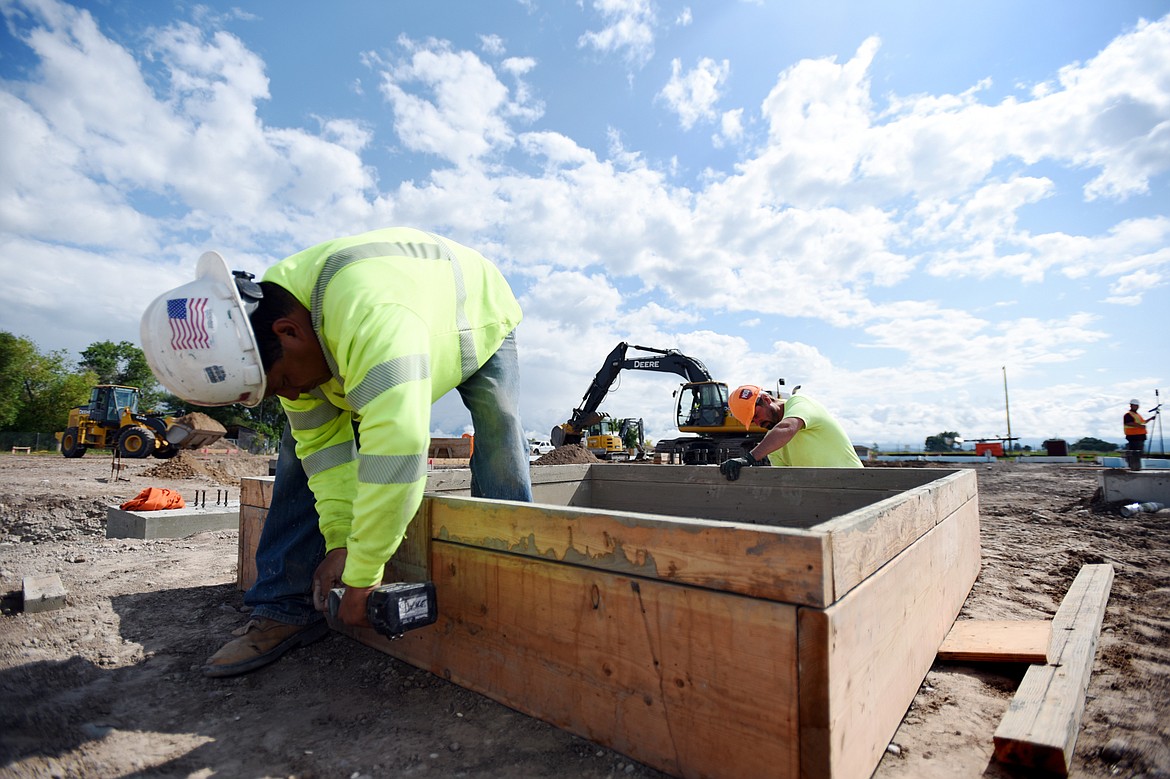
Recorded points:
(109, 685)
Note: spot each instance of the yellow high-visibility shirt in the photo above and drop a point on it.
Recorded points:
(403, 317)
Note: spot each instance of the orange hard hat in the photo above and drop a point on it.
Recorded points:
(743, 403)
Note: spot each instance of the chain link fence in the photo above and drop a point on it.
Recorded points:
(34, 442)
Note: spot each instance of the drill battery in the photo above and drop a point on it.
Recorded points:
(395, 608)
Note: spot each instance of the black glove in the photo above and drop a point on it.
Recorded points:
(730, 468)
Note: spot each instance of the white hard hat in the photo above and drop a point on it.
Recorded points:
(199, 342)
(1135, 402)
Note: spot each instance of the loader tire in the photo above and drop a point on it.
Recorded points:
(136, 442)
(166, 451)
(69, 446)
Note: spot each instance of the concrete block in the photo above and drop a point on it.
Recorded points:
(171, 523)
(43, 593)
(1135, 486)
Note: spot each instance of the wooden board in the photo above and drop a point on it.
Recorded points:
(864, 540)
(1042, 723)
(693, 682)
(763, 562)
(863, 659)
(251, 524)
(256, 491)
(997, 641)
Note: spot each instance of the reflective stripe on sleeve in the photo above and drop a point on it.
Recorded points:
(387, 375)
(330, 457)
(391, 468)
(310, 420)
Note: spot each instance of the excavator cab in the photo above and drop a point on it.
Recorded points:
(702, 404)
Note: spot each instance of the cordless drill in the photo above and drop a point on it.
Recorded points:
(395, 608)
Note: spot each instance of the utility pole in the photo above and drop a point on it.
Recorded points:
(1007, 409)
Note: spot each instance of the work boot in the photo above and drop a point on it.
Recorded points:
(261, 641)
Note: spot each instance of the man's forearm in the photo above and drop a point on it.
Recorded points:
(776, 438)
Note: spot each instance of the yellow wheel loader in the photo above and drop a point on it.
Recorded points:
(111, 421)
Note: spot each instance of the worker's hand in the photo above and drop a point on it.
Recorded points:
(327, 576)
(730, 468)
(353, 607)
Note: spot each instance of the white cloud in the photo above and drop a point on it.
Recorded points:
(838, 217)
(629, 30)
(693, 95)
(492, 45)
(464, 118)
(730, 128)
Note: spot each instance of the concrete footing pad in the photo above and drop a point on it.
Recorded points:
(171, 523)
(1136, 486)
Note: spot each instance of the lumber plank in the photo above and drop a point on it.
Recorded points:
(863, 659)
(997, 641)
(251, 525)
(734, 502)
(1041, 725)
(693, 682)
(896, 479)
(773, 563)
(864, 540)
(256, 491)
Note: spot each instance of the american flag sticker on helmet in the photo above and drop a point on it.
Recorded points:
(188, 320)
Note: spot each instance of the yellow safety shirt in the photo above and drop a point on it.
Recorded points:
(403, 317)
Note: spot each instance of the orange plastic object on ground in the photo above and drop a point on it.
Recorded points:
(154, 499)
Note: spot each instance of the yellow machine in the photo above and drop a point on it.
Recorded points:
(702, 408)
(615, 439)
(111, 421)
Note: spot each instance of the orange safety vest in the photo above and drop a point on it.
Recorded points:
(1134, 423)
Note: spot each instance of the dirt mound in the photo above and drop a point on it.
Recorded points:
(566, 455)
(226, 469)
(199, 421)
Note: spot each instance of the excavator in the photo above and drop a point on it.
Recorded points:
(111, 421)
(701, 409)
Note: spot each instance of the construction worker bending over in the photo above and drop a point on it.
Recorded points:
(801, 433)
(358, 336)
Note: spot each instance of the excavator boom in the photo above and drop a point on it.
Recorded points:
(705, 400)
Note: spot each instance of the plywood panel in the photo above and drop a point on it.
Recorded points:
(694, 682)
(997, 641)
(773, 563)
(863, 659)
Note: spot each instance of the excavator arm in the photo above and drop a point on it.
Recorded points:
(661, 360)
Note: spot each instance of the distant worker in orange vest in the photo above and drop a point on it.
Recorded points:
(1135, 428)
(801, 433)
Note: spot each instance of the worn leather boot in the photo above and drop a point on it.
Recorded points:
(261, 641)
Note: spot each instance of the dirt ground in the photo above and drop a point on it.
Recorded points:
(109, 685)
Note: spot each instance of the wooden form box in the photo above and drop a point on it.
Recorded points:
(777, 626)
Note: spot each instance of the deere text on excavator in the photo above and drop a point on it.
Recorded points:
(701, 409)
(111, 421)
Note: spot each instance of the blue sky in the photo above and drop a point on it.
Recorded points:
(892, 205)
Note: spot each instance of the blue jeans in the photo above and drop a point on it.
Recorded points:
(291, 545)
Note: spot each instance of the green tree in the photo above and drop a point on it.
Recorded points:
(122, 363)
(37, 390)
(16, 354)
(943, 442)
(1090, 444)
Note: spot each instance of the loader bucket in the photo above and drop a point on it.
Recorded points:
(194, 431)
